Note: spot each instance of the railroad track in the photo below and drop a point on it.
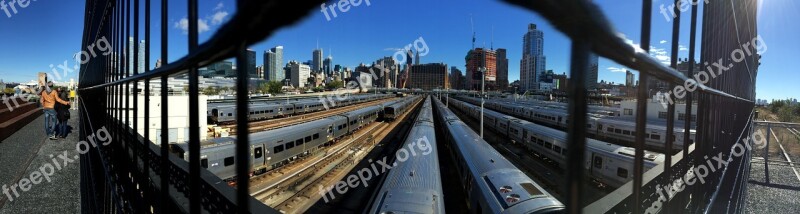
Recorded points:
(264, 125)
(298, 191)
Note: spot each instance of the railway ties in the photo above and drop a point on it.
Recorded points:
(297, 189)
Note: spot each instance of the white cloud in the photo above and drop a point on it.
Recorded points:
(615, 69)
(660, 54)
(183, 25)
(662, 41)
(682, 48)
(218, 17)
(219, 6)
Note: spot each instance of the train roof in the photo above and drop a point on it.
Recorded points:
(562, 136)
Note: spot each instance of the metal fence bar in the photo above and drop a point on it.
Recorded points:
(148, 193)
(164, 113)
(242, 139)
(641, 111)
(670, 136)
(577, 128)
(194, 120)
(683, 199)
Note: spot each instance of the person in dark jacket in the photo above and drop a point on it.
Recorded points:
(62, 114)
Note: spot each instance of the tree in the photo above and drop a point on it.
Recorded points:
(335, 85)
(9, 90)
(272, 87)
(211, 91)
(318, 89)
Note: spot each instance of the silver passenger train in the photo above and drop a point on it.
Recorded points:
(274, 148)
(492, 183)
(606, 163)
(226, 113)
(414, 185)
(602, 126)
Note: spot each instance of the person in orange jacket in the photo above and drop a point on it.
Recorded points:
(48, 99)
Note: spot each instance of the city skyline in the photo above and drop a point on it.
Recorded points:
(447, 46)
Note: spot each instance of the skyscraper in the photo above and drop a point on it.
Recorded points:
(502, 69)
(273, 61)
(141, 56)
(327, 65)
(316, 62)
(532, 64)
(481, 58)
(251, 64)
(629, 78)
(455, 78)
(591, 74)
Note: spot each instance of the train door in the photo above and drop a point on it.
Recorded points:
(258, 157)
(597, 165)
(559, 121)
(524, 136)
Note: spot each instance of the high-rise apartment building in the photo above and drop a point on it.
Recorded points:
(502, 69)
(273, 61)
(532, 64)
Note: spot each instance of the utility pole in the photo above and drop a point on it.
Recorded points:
(483, 85)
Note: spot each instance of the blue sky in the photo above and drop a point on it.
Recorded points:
(49, 32)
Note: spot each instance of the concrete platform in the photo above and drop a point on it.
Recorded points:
(25, 155)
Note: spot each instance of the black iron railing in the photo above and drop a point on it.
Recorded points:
(134, 175)
(725, 106)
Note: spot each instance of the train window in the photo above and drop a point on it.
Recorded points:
(298, 142)
(229, 161)
(308, 139)
(609, 129)
(230, 114)
(251, 112)
(557, 149)
(258, 153)
(598, 162)
(622, 173)
(316, 136)
(540, 142)
(655, 137)
(277, 149)
(548, 145)
(204, 163)
(589, 126)
(564, 152)
(289, 145)
(626, 132)
(618, 131)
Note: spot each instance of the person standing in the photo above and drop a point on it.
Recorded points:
(63, 114)
(48, 100)
(73, 99)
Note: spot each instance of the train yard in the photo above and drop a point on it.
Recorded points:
(302, 153)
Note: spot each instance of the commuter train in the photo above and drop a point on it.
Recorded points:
(492, 184)
(391, 112)
(274, 148)
(414, 185)
(262, 110)
(601, 126)
(606, 163)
